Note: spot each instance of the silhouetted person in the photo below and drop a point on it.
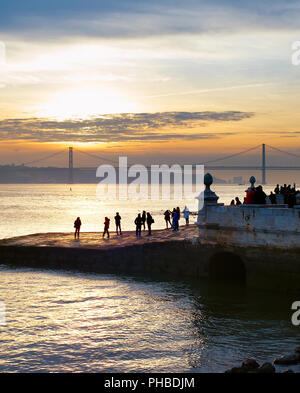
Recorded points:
(167, 215)
(175, 222)
(118, 223)
(232, 203)
(283, 189)
(138, 222)
(144, 218)
(178, 212)
(259, 196)
(237, 201)
(277, 189)
(250, 196)
(77, 225)
(291, 199)
(272, 198)
(186, 215)
(150, 221)
(106, 227)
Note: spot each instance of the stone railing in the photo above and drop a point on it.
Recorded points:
(244, 225)
(252, 217)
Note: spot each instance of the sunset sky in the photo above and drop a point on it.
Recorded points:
(158, 80)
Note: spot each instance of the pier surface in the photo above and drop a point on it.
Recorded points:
(94, 240)
(164, 252)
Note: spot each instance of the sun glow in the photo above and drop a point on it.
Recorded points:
(83, 103)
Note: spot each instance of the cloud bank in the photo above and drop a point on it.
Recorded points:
(125, 127)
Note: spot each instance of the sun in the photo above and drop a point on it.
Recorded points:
(84, 103)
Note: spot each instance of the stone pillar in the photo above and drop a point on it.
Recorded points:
(206, 199)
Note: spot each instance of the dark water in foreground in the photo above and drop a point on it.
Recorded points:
(66, 322)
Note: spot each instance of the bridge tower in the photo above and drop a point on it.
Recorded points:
(263, 164)
(70, 165)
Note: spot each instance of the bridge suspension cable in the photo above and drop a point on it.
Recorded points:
(98, 157)
(284, 151)
(44, 158)
(232, 155)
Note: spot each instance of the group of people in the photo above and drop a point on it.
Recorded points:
(78, 223)
(145, 218)
(289, 194)
(175, 215)
(235, 202)
(256, 195)
(141, 221)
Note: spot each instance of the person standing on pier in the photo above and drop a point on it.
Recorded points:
(77, 225)
(178, 212)
(144, 219)
(167, 215)
(186, 215)
(150, 221)
(138, 222)
(118, 223)
(106, 227)
(175, 222)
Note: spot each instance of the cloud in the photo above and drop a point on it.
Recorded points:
(136, 18)
(126, 127)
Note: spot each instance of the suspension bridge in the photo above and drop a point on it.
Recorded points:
(209, 165)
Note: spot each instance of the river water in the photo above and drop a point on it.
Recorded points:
(66, 322)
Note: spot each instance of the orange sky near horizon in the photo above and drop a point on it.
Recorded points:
(73, 80)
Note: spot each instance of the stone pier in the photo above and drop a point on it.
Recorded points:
(258, 245)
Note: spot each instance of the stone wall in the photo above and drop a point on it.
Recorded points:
(250, 225)
(265, 267)
(174, 258)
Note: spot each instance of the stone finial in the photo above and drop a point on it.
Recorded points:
(252, 180)
(209, 196)
(208, 180)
